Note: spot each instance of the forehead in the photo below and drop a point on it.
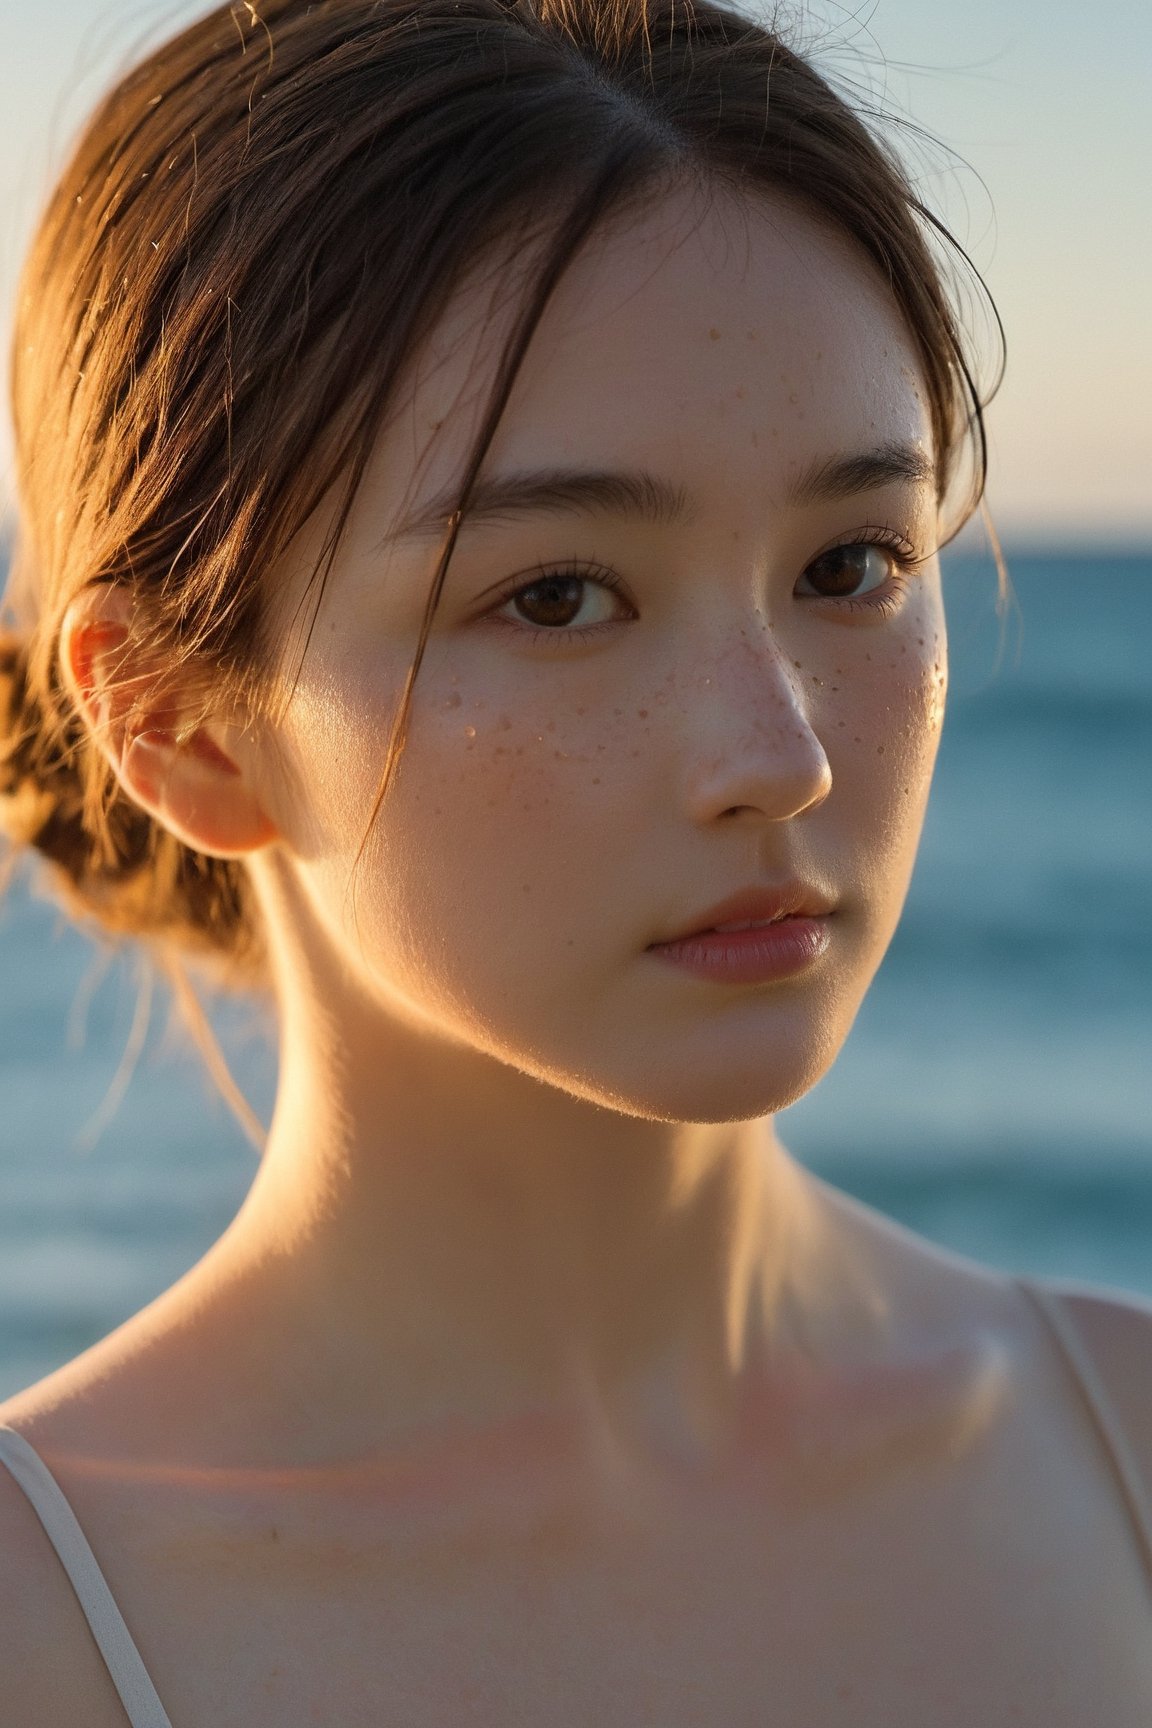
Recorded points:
(725, 343)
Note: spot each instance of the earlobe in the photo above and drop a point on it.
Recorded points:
(165, 756)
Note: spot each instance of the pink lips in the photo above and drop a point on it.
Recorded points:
(789, 932)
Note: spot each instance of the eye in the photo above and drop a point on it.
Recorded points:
(864, 572)
(561, 603)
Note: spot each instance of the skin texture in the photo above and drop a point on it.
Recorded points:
(602, 792)
(535, 1380)
(511, 1142)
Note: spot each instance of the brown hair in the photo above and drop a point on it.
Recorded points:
(271, 198)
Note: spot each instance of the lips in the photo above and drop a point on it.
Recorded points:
(754, 906)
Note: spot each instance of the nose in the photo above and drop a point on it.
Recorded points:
(753, 751)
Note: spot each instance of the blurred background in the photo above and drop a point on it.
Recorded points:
(996, 1092)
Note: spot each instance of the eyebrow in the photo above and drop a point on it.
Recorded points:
(637, 493)
(557, 492)
(823, 482)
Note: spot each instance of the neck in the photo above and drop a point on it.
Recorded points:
(442, 1238)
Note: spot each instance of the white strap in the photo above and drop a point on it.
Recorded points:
(123, 1661)
(1102, 1410)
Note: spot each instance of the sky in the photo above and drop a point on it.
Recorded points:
(1043, 109)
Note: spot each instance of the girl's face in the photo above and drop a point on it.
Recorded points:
(721, 668)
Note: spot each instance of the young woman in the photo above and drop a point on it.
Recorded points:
(482, 468)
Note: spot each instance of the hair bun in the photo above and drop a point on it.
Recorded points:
(39, 789)
(16, 734)
(132, 876)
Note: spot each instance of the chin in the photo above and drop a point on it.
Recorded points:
(756, 1069)
(706, 1090)
(733, 1098)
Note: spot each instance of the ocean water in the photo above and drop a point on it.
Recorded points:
(995, 1093)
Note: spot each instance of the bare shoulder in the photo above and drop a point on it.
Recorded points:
(52, 1670)
(1115, 1327)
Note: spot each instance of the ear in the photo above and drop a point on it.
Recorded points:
(194, 776)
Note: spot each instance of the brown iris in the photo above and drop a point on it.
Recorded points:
(560, 599)
(843, 568)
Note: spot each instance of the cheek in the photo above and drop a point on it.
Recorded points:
(479, 858)
(508, 794)
(881, 731)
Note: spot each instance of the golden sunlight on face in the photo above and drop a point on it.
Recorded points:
(637, 699)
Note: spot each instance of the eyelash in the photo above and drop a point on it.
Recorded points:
(885, 600)
(888, 598)
(538, 633)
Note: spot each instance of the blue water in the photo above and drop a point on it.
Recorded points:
(995, 1094)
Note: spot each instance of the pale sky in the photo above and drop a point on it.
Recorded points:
(1047, 101)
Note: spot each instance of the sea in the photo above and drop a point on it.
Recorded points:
(995, 1094)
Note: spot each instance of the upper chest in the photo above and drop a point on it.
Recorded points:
(1000, 1587)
